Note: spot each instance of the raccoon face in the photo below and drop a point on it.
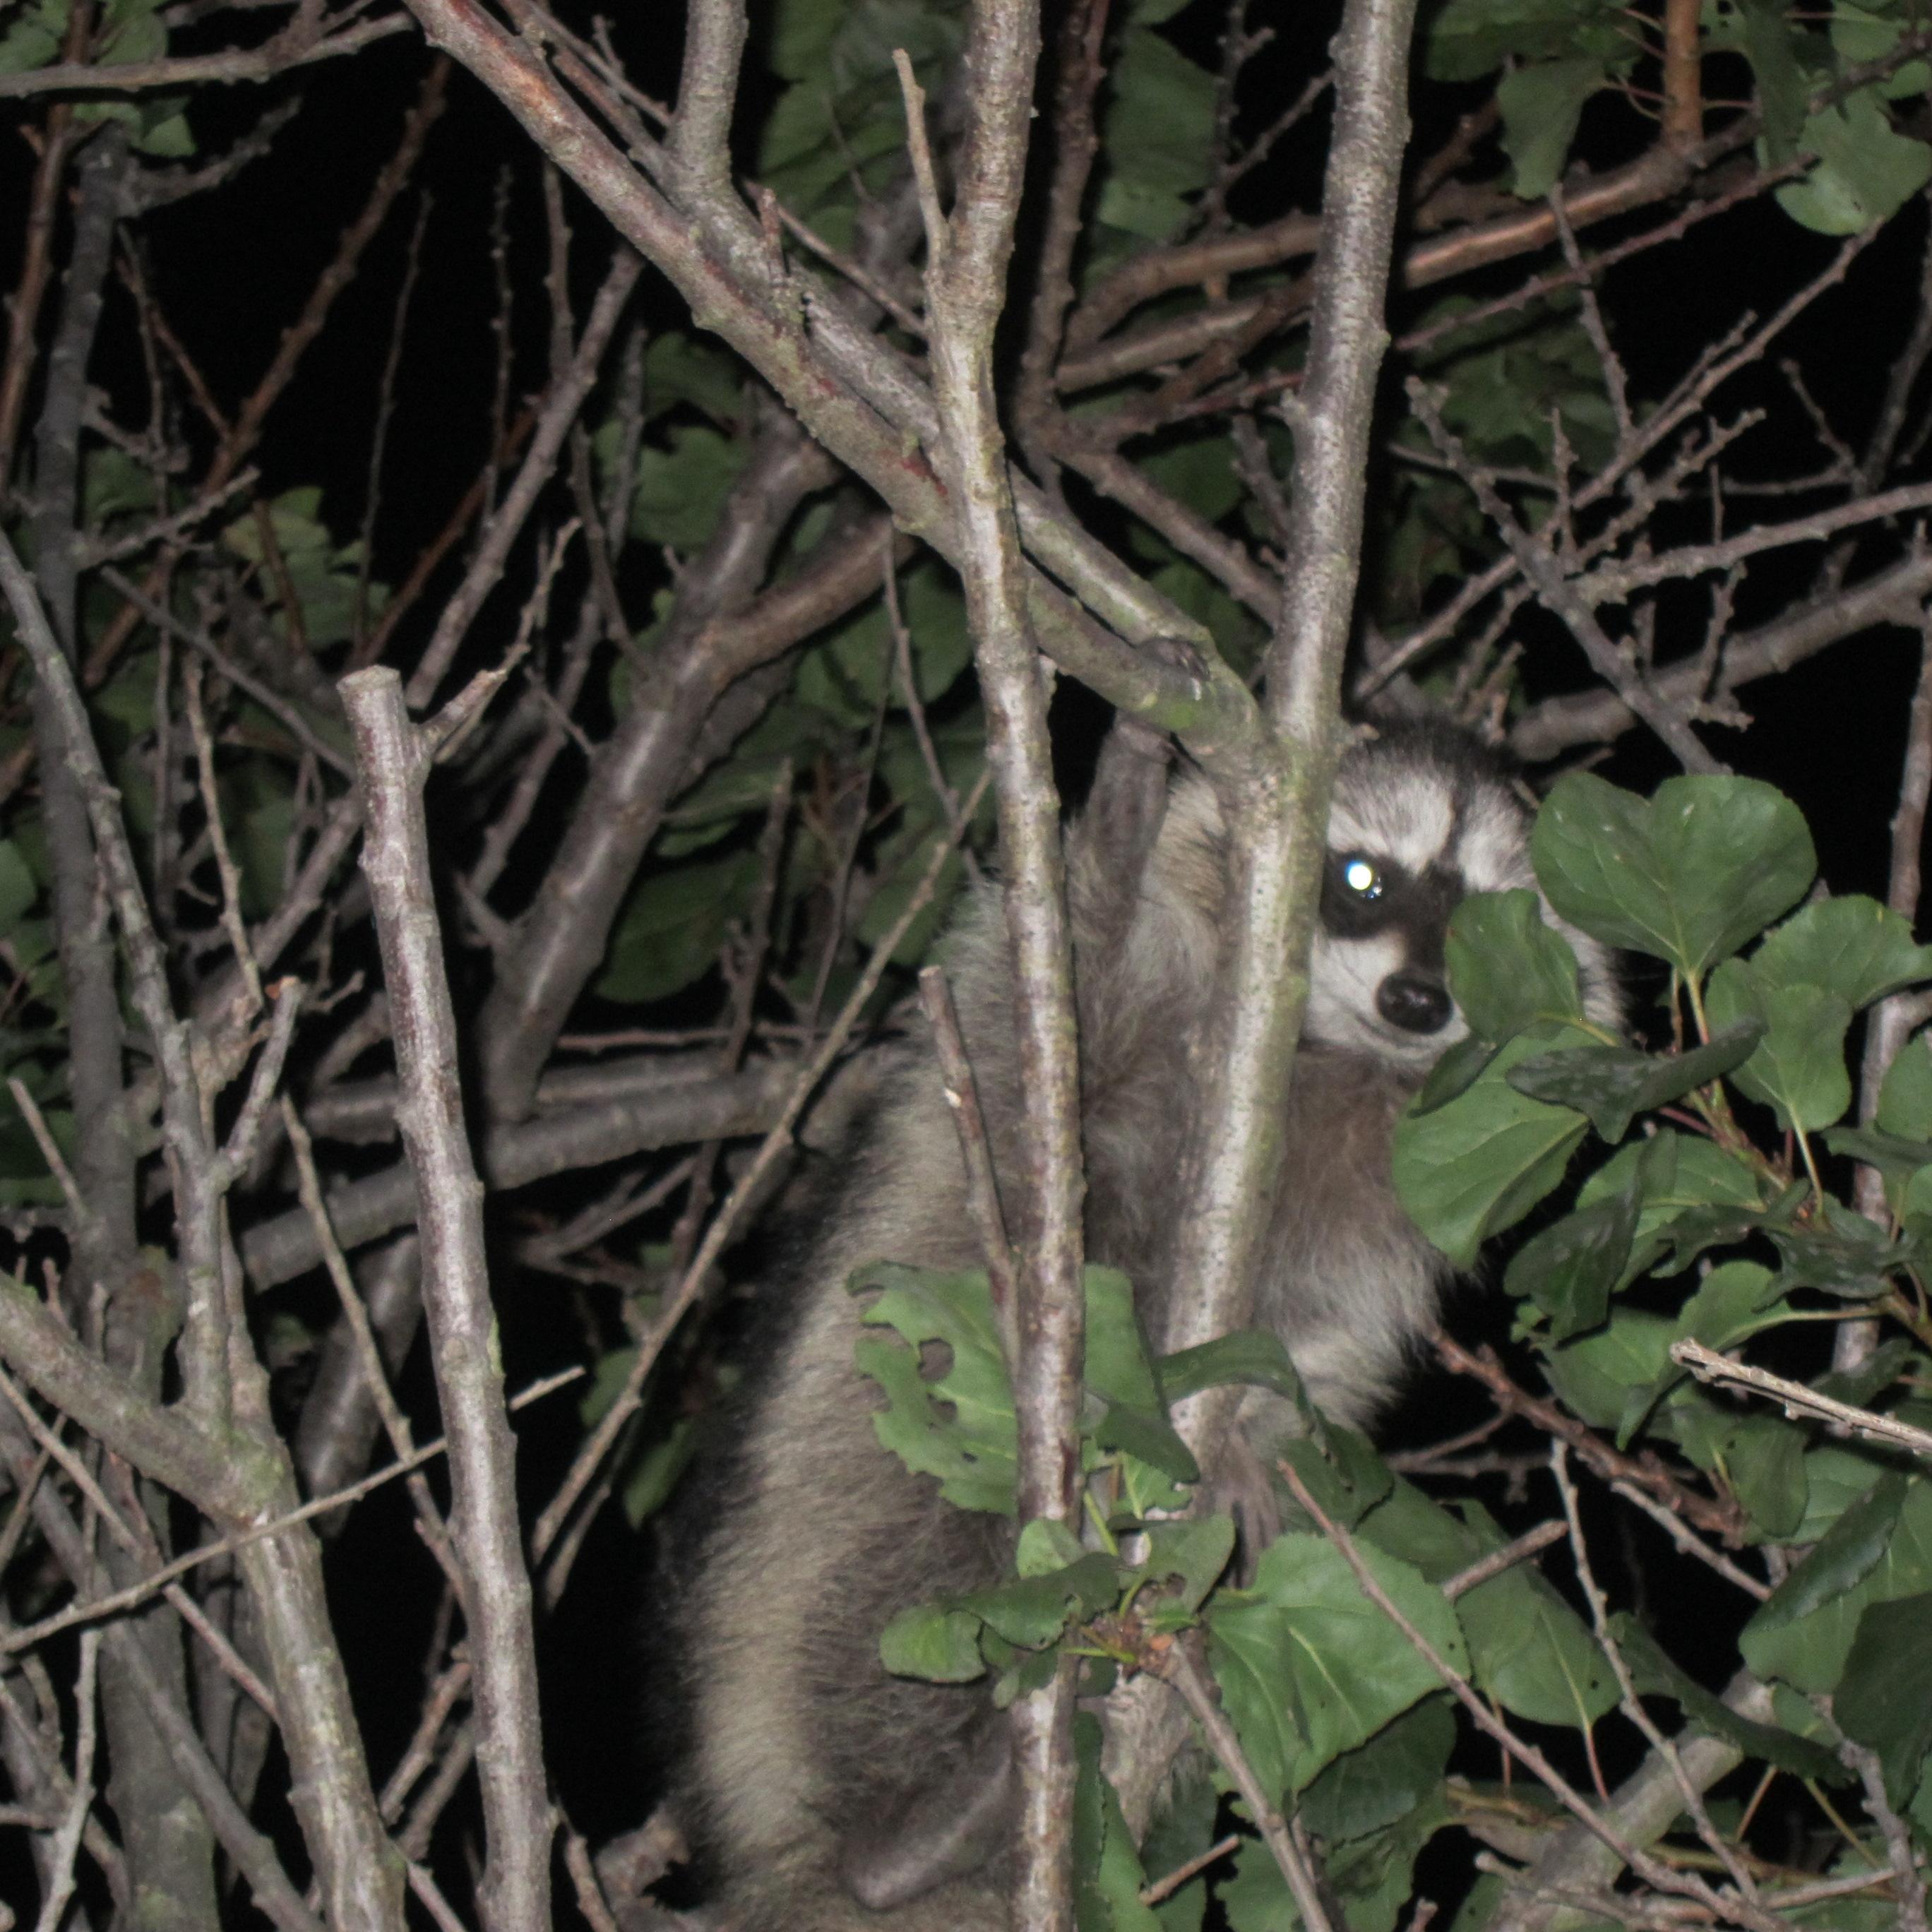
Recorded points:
(1416, 825)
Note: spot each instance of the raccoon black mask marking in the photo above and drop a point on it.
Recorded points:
(803, 1759)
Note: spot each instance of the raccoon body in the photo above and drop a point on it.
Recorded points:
(799, 1746)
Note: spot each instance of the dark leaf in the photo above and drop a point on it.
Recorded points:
(1613, 1084)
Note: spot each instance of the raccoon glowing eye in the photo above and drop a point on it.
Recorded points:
(1361, 878)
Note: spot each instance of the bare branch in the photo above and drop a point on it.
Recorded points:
(554, 422)
(1708, 1366)
(515, 1890)
(266, 63)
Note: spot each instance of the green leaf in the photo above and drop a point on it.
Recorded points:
(1341, 1471)
(1195, 471)
(1033, 1611)
(652, 1477)
(34, 39)
(1897, 1159)
(1732, 1303)
(1808, 1651)
(1256, 1897)
(1771, 44)
(959, 1426)
(1854, 945)
(1678, 1172)
(1844, 1556)
(1456, 1072)
(1182, 1829)
(1798, 1067)
(1531, 1652)
(1350, 1668)
(1541, 104)
(1506, 968)
(19, 888)
(1763, 1459)
(1866, 170)
(1149, 1438)
(1613, 1084)
(1657, 1675)
(1467, 39)
(1157, 133)
(1371, 1877)
(1878, 1370)
(1480, 1163)
(1861, 34)
(1045, 1545)
(927, 1641)
(1108, 1876)
(1193, 1550)
(1120, 1373)
(1252, 1653)
(1570, 1270)
(673, 924)
(1687, 876)
(1597, 1374)
(1385, 1779)
(1527, 1648)
(680, 490)
(679, 368)
(1885, 1698)
(1905, 1097)
(1252, 1356)
(1848, 1255)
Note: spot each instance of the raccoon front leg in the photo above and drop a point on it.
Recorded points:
(954, 1827)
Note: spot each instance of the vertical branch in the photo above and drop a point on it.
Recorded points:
(968, 258)
(1276, 801)
(515, 1890)
(1274, 795)
(169, 1846)
(1891, 1019)
(43, 200)
(700, 137)
(67, 1840)
(1076, 143)
(1683, 79)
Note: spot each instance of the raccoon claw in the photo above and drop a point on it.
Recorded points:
(1178, 654)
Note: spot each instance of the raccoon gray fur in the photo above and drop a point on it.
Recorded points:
(799, 1746)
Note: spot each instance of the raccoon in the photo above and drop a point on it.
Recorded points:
(803, 1762)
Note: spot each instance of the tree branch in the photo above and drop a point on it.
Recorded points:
(514, 1893)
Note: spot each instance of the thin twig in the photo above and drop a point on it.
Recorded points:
(1179, 1671)
(66, 1845)
(1708, 1366)
(1631, 1703)
(1528, 1544)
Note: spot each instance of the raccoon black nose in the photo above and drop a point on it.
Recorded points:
(1408, 1000)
